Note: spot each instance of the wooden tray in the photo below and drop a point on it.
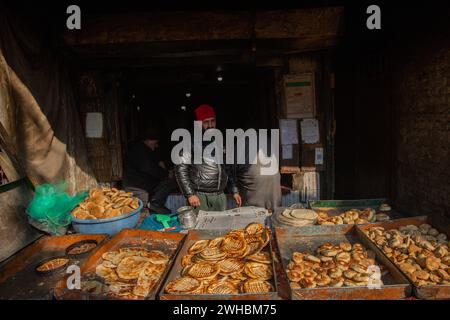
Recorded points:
(291, 240)
(18, 279)
(429, 292)
(166, 242)
(195, 235)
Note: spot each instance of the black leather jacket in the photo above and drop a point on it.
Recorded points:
(207, 177)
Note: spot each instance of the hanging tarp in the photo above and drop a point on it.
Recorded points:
(37, 107)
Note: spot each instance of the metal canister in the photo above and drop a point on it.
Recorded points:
(187, 217)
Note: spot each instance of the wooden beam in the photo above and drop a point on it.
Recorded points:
(197, 25)
(161, 26)
(289, 24)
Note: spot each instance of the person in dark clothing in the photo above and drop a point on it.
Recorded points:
(256, 189)
(146, 175)
(203, 184)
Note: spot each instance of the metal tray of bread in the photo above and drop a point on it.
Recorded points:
(427, 290)
(395, 285)
(193, 237)
(130, 266)
(18, 276)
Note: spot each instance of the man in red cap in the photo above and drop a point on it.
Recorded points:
(206, 114)
(203, 184)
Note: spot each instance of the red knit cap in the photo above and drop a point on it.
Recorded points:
(204, 111)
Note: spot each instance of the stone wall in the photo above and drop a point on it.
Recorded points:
(421, 94)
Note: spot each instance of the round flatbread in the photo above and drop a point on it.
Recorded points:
(203, 270)
(108, 274)
(258, 270)
(187, 260)
(286, 213)
(130, 267)
(257, 286)
(262, 257)
(183, 285)
(156, 256)
(198, 246)
(254, 228)
(304, 214)
(216, 243)
(212, 254)
(151, 270)
(293, 222)
(222, 287)
(114, 256)
(234, 243)
(229, 266)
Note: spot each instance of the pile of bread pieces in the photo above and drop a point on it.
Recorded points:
(352, 216)
(341, 265)
(128, 273)
(421, 252)
(231, 264)
(104, 203)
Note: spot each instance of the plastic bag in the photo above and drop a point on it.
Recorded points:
(51, 207)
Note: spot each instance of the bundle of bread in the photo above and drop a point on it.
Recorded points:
(128, 273)
(297, 217)
(352, 216)
(231, 264)
(335, 266)
(421, 252)
(104, 203)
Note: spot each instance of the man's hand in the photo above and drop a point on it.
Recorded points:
(194, 201)
(238, 199)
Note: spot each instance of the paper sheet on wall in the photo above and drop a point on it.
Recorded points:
(289, 131)
(287, 152)
(299, 93)
(318, 159)
(310, 130)
(230, 219)
(94, 125)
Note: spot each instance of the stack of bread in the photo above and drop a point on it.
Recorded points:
(421, 252)
(104, 203)
(127, 273)
(231, 264)
(352, 216)
(338, 265)
(297, 217)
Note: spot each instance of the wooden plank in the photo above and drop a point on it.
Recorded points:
(162, 26)
(202, 25)
(299, 23)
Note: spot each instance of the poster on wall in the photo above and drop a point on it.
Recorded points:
(310, 131)
(94, 125)
(289, 131)
(300, 95)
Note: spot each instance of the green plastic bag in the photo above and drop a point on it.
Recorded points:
(51, 207)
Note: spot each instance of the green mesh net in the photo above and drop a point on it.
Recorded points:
(51, 206)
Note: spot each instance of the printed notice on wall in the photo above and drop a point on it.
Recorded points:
(300, 96)
(310, 130)
(318, 159)
(287, 151)
(94, 125)
(289, 131)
